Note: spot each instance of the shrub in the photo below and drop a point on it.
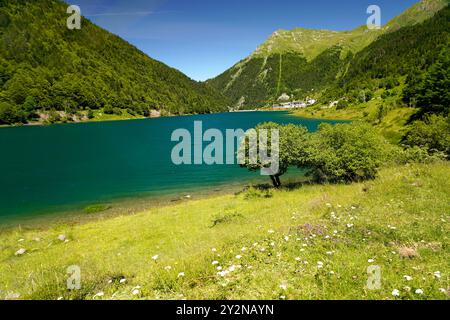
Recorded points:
(345, 152)
(225, 217)
(401, 156)
(432, 134)
(96, 208)
(10, 114)
(253, 193)
(342, 104)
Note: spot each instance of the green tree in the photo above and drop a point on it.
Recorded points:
(433, 94)
(345, 153)
(9, 114)
(291, 149)
(432, 134)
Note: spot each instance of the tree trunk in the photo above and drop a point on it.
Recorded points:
(276, 181)
(277, 177)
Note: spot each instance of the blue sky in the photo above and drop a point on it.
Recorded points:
(203, 38)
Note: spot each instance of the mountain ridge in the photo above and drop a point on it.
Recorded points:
(47, 68)
(302, 47)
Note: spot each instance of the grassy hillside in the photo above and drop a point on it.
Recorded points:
(309, 242)
(45, 66)
(305, 63)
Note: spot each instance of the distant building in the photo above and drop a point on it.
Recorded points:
(294, 104)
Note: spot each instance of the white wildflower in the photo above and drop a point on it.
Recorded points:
(407, 278)
(419, 291)
(396, 293)
(20, 252)
(135, 292)
(181, 274)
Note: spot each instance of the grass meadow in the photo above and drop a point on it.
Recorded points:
(307, 242)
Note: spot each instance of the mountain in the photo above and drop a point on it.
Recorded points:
(45, 66)
(301, 63)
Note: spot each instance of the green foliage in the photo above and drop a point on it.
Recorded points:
(399, 155)
(430, 92)
(10, 114)
(431, 134)
(291, 148)
(345, 152)
(96, 208)
(340, 153)
(225, 217)
(70, 70)
(342, 104)
(254, 193)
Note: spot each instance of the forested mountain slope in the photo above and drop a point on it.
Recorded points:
(303, 63)
(45, 66)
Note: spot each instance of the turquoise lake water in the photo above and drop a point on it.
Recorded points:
(60, 167)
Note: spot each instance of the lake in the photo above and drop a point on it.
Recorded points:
(69, 166)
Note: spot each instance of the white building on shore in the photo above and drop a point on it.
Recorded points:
(294, 104)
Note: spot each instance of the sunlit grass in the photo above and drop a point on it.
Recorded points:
(313, 242)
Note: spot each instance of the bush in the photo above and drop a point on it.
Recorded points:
(54, 117)
(345, 153)
(431, 134)
(253, 193)
(225, 217)
(415, 154)
(10, 114)
(342, 104)
(96, 208)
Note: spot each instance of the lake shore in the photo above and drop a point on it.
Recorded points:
(308, 242)
(134, 204)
